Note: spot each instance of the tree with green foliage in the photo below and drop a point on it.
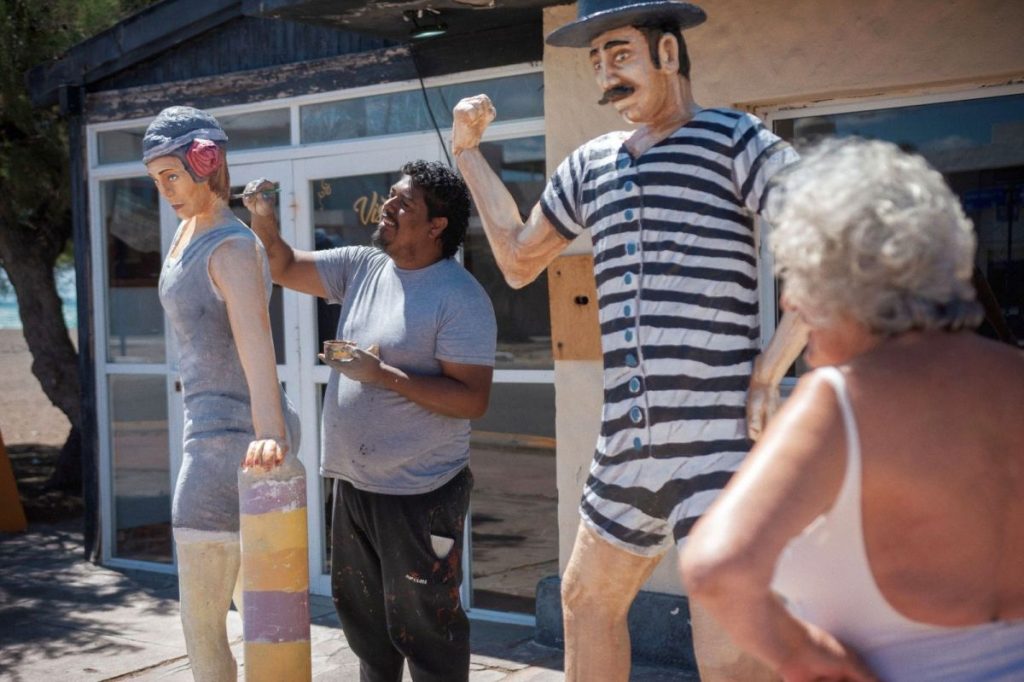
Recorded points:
(35, 204)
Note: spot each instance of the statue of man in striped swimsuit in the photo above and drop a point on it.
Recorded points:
(671, 210)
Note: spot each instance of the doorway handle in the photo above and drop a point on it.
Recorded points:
(177, 385)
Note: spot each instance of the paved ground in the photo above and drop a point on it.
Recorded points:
(65, 619)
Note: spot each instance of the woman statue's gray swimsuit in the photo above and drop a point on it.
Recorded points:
(218, 415)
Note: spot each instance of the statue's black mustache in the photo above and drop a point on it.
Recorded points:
(615, 94)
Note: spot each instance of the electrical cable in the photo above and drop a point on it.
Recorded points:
(426, 102)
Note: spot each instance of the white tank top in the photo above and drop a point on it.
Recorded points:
(825, 579)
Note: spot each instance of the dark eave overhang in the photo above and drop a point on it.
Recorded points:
(387, 18)
(161, 26)
(136, 38)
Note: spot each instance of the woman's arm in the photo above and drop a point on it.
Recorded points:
(792, 476)
(236, 269)
(769, 368)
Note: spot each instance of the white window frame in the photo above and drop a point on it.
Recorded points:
(295, 152)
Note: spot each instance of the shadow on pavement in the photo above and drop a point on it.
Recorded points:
(54, 604)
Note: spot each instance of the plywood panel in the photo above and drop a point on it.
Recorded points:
(575, 334)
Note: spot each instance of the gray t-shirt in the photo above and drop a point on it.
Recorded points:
(372, 437)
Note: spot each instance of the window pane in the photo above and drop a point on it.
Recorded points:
(141, 466)
(974, 133)
(276, 296)
(120, 146)
(978, 145)
(257, 129)
(346, 211)
(514, 97)
(994, 202)
(399, 112)
(135, 320)
(515, 497)
(524, 322)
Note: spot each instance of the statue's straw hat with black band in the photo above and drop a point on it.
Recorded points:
(594, 17)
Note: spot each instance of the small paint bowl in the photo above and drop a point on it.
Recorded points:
(338, 350)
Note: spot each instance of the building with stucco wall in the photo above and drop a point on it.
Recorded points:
(331, 104)
(946, 79)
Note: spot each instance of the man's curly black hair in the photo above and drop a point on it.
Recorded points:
(446, 196)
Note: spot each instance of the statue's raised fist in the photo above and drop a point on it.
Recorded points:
(471, 117)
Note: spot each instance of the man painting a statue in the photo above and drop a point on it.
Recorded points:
(418, 336)
(670, 207)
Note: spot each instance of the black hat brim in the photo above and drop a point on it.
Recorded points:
(580, 32)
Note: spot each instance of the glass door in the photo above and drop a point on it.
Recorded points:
(337, 203)
(133, 384)
(511, 539)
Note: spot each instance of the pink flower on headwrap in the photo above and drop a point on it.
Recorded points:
(204, 156)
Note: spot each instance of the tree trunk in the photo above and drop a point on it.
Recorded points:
(67, 474)
(29, 266)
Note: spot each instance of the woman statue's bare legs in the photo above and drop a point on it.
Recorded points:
(208, 573)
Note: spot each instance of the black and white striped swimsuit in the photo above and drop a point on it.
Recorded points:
(676, 270)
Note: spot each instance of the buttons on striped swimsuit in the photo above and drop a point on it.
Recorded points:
(629, 335)
(636, 415)
(627, 278)
(631, 248)
(628, 186)
(630, 360)
(627, 310)
(637, 443)
(623, 162)
(629, 214)
(634, 385)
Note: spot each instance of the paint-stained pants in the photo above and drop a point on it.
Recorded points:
(395, 580)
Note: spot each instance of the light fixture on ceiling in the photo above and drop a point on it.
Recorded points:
(426, 23)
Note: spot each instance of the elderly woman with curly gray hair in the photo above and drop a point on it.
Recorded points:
(877, 529)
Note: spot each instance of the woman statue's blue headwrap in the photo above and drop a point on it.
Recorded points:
(190, 134)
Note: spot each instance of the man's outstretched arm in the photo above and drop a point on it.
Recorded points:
(769, 368)
(289, 267)
(522, 250)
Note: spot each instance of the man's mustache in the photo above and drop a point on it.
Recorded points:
(616, 93)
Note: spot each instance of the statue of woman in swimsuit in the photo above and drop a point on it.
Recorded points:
(215, 288)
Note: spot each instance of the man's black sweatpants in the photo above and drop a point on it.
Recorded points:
(397, 598)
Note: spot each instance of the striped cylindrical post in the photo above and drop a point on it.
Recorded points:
(275, 573)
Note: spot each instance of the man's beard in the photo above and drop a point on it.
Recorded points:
(616, 93)
(376, 240)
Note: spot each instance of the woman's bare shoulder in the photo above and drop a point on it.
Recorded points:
(957, 352)
(995, 364)
(236, 265)
(236, 249)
